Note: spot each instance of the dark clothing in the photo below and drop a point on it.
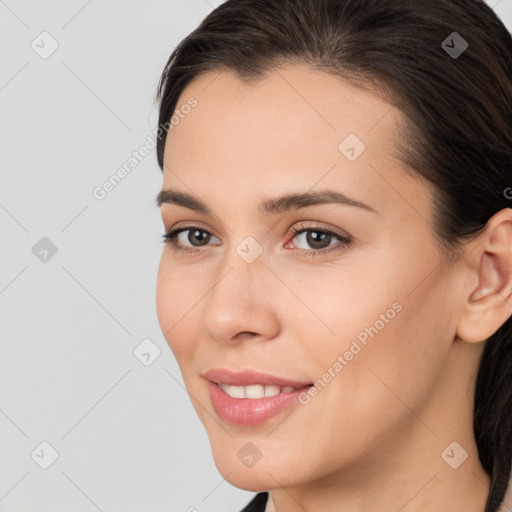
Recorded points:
(257, 504)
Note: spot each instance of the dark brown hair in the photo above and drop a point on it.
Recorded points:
(457, 133)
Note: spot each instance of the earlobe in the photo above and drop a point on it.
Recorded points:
(489, 303)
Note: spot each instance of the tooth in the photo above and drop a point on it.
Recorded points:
(224, 387)
(237, 391)
(272, 390)
(254, 391)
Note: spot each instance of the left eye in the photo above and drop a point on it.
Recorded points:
(317, 239)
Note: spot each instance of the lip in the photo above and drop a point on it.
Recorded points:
(250, 411)
(250, 377)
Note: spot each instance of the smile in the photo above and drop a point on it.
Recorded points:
(256, 390)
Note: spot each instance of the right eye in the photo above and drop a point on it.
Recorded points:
(195, 234)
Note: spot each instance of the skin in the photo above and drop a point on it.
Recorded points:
(373, 437)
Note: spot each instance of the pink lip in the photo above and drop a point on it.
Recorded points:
(249, 411)
(249, 377)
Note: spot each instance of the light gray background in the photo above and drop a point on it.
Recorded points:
(126, 434)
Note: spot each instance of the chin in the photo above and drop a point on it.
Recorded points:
(262, 475)
(250, 481)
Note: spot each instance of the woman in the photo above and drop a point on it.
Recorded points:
(337, 275)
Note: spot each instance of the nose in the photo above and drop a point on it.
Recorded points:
(242, 303)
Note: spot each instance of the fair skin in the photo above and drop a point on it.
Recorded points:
(372, 439)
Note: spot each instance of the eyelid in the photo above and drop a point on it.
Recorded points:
(191, 224)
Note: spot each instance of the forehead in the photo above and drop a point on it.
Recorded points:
(294, 127)
(286, 101)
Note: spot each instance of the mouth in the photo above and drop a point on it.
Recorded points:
(251, 398)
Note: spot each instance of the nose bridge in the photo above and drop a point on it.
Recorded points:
(241, 276)
(244, 254)
(239, 300)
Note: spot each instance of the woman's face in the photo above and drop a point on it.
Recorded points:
(369, 310)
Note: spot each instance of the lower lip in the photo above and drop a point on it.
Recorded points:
(250, 411)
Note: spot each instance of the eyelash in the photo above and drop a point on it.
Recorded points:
(345, 241)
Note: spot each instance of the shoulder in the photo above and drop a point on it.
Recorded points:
(506, 504)
(257, 504)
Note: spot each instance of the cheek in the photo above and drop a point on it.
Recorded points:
(176, 297)
(367, 398)
(332, 307)
(392, 360)
(379, 340)
(165, 295)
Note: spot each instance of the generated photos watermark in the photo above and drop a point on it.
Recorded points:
(100, 192)
(355, 348)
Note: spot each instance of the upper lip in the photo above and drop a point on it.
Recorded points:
(249, 377)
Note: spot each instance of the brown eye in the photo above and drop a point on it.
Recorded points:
(196, 237)
(199, 235)
(318, 239)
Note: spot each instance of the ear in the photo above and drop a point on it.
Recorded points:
(488, 304)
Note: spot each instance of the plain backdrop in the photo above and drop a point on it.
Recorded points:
(93, 413)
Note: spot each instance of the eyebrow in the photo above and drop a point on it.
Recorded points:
(274, 206)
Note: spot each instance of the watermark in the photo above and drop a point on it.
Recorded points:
(454, 45)
(44, 250)
(249, 249)
(348, 355)
(100, 192)
(146, 352)
(352, 147)
(454, 455)
(44, 455)
(249, 454)
(508, 193)
(44, 45)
